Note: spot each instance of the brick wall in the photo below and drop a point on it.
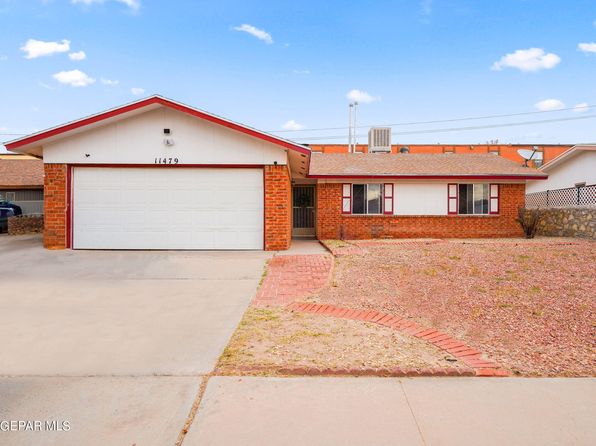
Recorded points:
(332, 224)
(278, 208)
(55, 206)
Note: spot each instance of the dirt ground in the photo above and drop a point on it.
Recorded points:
(277, 337)
(527, 304)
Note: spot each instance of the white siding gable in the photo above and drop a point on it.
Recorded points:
(139, 139)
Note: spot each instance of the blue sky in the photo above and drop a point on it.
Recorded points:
(280, 63)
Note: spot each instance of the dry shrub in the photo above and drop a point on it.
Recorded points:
(529, 219)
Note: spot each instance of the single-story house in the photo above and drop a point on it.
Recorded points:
(157, 174)
(575, 166)
(21, 182)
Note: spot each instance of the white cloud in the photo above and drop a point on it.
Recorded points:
(581, 107)
(292, 125)
(549, 104)
(361, 96)
(74, 78)
(109, 82)
(258, 33)
(532, 59)
(3, 58)
(38, 48)
(426, 7)
(587, 47)
(3, 129)
(137, 91)
(79, 55)
(134, 5)
(301, 71)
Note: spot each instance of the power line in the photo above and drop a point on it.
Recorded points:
(472, 118)
(455, 129)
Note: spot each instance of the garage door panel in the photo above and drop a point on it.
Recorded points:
(139, 208)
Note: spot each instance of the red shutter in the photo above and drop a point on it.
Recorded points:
(452, 199)
(388, 199)
(346, 199)
(494, 199)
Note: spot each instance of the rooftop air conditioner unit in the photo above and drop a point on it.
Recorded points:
(379, 140)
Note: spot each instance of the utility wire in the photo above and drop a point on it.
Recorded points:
(429, 122)
(472, 118)
(456, 129)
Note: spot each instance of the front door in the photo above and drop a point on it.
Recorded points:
(303, 203)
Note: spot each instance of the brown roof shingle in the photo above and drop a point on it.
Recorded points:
(21, 173)
(345, 165)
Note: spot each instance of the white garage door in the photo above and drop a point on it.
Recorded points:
(167, 208)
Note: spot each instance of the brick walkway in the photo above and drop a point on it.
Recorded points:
(292, 277)
(470, 357)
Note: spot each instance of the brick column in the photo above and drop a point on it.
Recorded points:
(278, 208)
(55, 206)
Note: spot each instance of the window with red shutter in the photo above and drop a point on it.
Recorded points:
(346, 199)
(388, 198)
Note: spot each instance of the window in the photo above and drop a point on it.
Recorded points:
(11, 196)
(473, 199)
(366, 198)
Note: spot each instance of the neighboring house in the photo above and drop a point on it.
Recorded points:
(21, 182)
(157, 174)
(575, 166)
(545, 152)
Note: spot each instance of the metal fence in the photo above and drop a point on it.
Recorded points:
(571, 197)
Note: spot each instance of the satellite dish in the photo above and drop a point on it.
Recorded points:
(526, 154)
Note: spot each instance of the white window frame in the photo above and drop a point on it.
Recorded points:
(381, 198)
(488, 197)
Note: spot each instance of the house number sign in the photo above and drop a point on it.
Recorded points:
(166, 160)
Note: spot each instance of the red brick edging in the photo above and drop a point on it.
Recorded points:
(470, 357)
(393, 372)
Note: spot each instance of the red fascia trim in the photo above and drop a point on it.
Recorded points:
(69, 199)
(265, 210)
(81, 123)
(144, 103)
(232, 125)
(431, 177)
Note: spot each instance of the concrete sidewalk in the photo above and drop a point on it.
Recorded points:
(389, 411)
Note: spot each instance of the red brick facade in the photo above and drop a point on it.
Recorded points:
(278, 208)
(55, 206)
(332, 224)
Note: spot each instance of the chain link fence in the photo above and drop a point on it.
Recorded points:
(571, 197)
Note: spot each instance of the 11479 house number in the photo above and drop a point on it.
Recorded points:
(166, 160)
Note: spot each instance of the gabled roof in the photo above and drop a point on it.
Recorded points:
(39, 137)
(568, 154)
(418, 165)
(21, 173)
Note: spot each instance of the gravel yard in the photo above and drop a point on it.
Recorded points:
(527, 304)
(277, 337)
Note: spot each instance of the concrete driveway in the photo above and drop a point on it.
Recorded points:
(114, 314)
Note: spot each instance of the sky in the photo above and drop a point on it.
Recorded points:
(294, 67)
